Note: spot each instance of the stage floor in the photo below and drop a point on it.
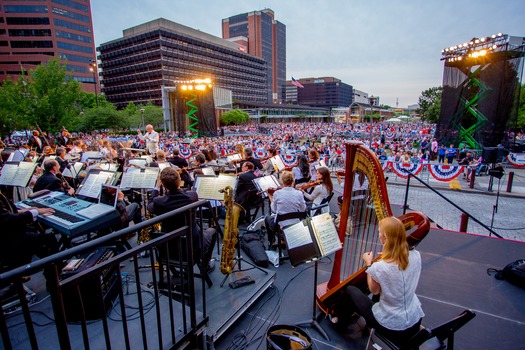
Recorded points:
(454, 278)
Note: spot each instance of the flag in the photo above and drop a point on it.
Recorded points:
(296, 83)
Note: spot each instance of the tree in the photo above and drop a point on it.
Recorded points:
(520, 124)
(47, 96)
(430, 104)
(235, 117)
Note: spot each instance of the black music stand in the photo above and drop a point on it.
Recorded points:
(238, 259)
(313, 322)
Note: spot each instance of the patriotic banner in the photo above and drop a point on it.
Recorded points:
(185, 152)
(516, 160)
(389, 135)
(289, 159)
(444, 172)
(402, 169)
(259, 154)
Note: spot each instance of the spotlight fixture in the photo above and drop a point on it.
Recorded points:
(476, 47)
(195, 84)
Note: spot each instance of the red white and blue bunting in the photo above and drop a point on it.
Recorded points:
(289, 159)
(385, 164)
(389, 135)
(444, 172)
(403, 169)
(185, 152)
(516, 160)
(260, 154)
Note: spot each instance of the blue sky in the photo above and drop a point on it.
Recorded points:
(387, 48)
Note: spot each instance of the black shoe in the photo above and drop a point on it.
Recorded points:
(211, 266)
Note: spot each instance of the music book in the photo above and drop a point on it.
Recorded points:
(142, 178)
(17, 174)
(232, 157)
(277, 163)
(265, 182)
(90, 155)
(73, 170)
(312, 238)
(137, 162)
(94, 179)
(208, 171)
(207, 187)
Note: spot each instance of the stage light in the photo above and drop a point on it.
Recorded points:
(196, 84)
(476, 47)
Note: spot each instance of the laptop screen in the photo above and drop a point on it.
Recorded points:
(108, 195)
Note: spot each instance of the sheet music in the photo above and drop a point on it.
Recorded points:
(47, 158)
(266, 182)
(326, 234)
(76, 168)
(208, 187)
(91, 185)
(146, 178)
(233, 157)
(297, 235)
(17, 174)
(90, 155)
(140, 162)
(277, 162)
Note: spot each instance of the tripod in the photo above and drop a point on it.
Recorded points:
(313, 322)
(238, 260)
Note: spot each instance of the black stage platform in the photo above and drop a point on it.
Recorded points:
(454, 278)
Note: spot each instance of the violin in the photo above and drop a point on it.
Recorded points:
(310, 184)
(272, 190)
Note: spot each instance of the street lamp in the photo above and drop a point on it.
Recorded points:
(142, 111)
(371, 99)
(93, 68)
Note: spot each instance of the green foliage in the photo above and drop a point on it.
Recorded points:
(430, 104)
(47, 96)
(234, 117)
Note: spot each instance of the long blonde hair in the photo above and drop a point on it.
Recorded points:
(395, 248)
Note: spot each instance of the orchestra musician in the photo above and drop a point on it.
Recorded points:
(283, 201)
(246, 192)
(394, 277)
(313, 160)
(61, 159)
(173, 199)
(78, 147)
(21, 240)
(50, 181)
(64, 139)
(268, 168)
(177, 160)
(151, 137)
(248, 157)
(35, 142)
(301, 172)
(107, 151)
(323, 187)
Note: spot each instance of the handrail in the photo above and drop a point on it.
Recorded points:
(405, 206)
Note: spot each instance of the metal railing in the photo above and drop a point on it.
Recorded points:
(463, 211)
(123, 304)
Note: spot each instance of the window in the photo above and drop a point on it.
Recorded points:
(73, 15)
(28, 20)
(29, 32)
(72, 36)
(70, 25)
(72, 4)
(31, 44)
(24, 9)
(73, 47)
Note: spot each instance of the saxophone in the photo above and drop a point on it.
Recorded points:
(233, 212)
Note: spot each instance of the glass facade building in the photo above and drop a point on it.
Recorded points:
(266, 38)
(160, 53)
(32, 32)
(325, 92)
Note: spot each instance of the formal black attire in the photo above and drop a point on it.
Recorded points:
(178, 161)
(246, 193)
(256, 163)
(48, 181)
(20, 239)
(159, 205)
(63, 142)
(62, 163)
(33, 142)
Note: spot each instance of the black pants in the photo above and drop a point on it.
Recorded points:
(362, 305)
(19, 250)
(271, 228)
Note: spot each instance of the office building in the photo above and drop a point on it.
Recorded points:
(32, 32)
(159, 53)
(266, 38)
(324, 92)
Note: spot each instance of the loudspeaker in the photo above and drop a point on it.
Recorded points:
(493, 155)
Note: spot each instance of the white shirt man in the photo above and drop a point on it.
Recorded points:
(151, 137)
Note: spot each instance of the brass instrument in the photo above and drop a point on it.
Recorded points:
(233, 212)
(145, 234)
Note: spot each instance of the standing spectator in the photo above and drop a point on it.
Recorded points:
(451, 154)
(442, 151)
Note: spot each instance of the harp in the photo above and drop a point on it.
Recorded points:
(370, 205)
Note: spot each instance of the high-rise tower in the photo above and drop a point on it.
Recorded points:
(32, 32)
(266, 38)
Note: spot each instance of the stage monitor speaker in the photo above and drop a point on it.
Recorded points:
(492, 155)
